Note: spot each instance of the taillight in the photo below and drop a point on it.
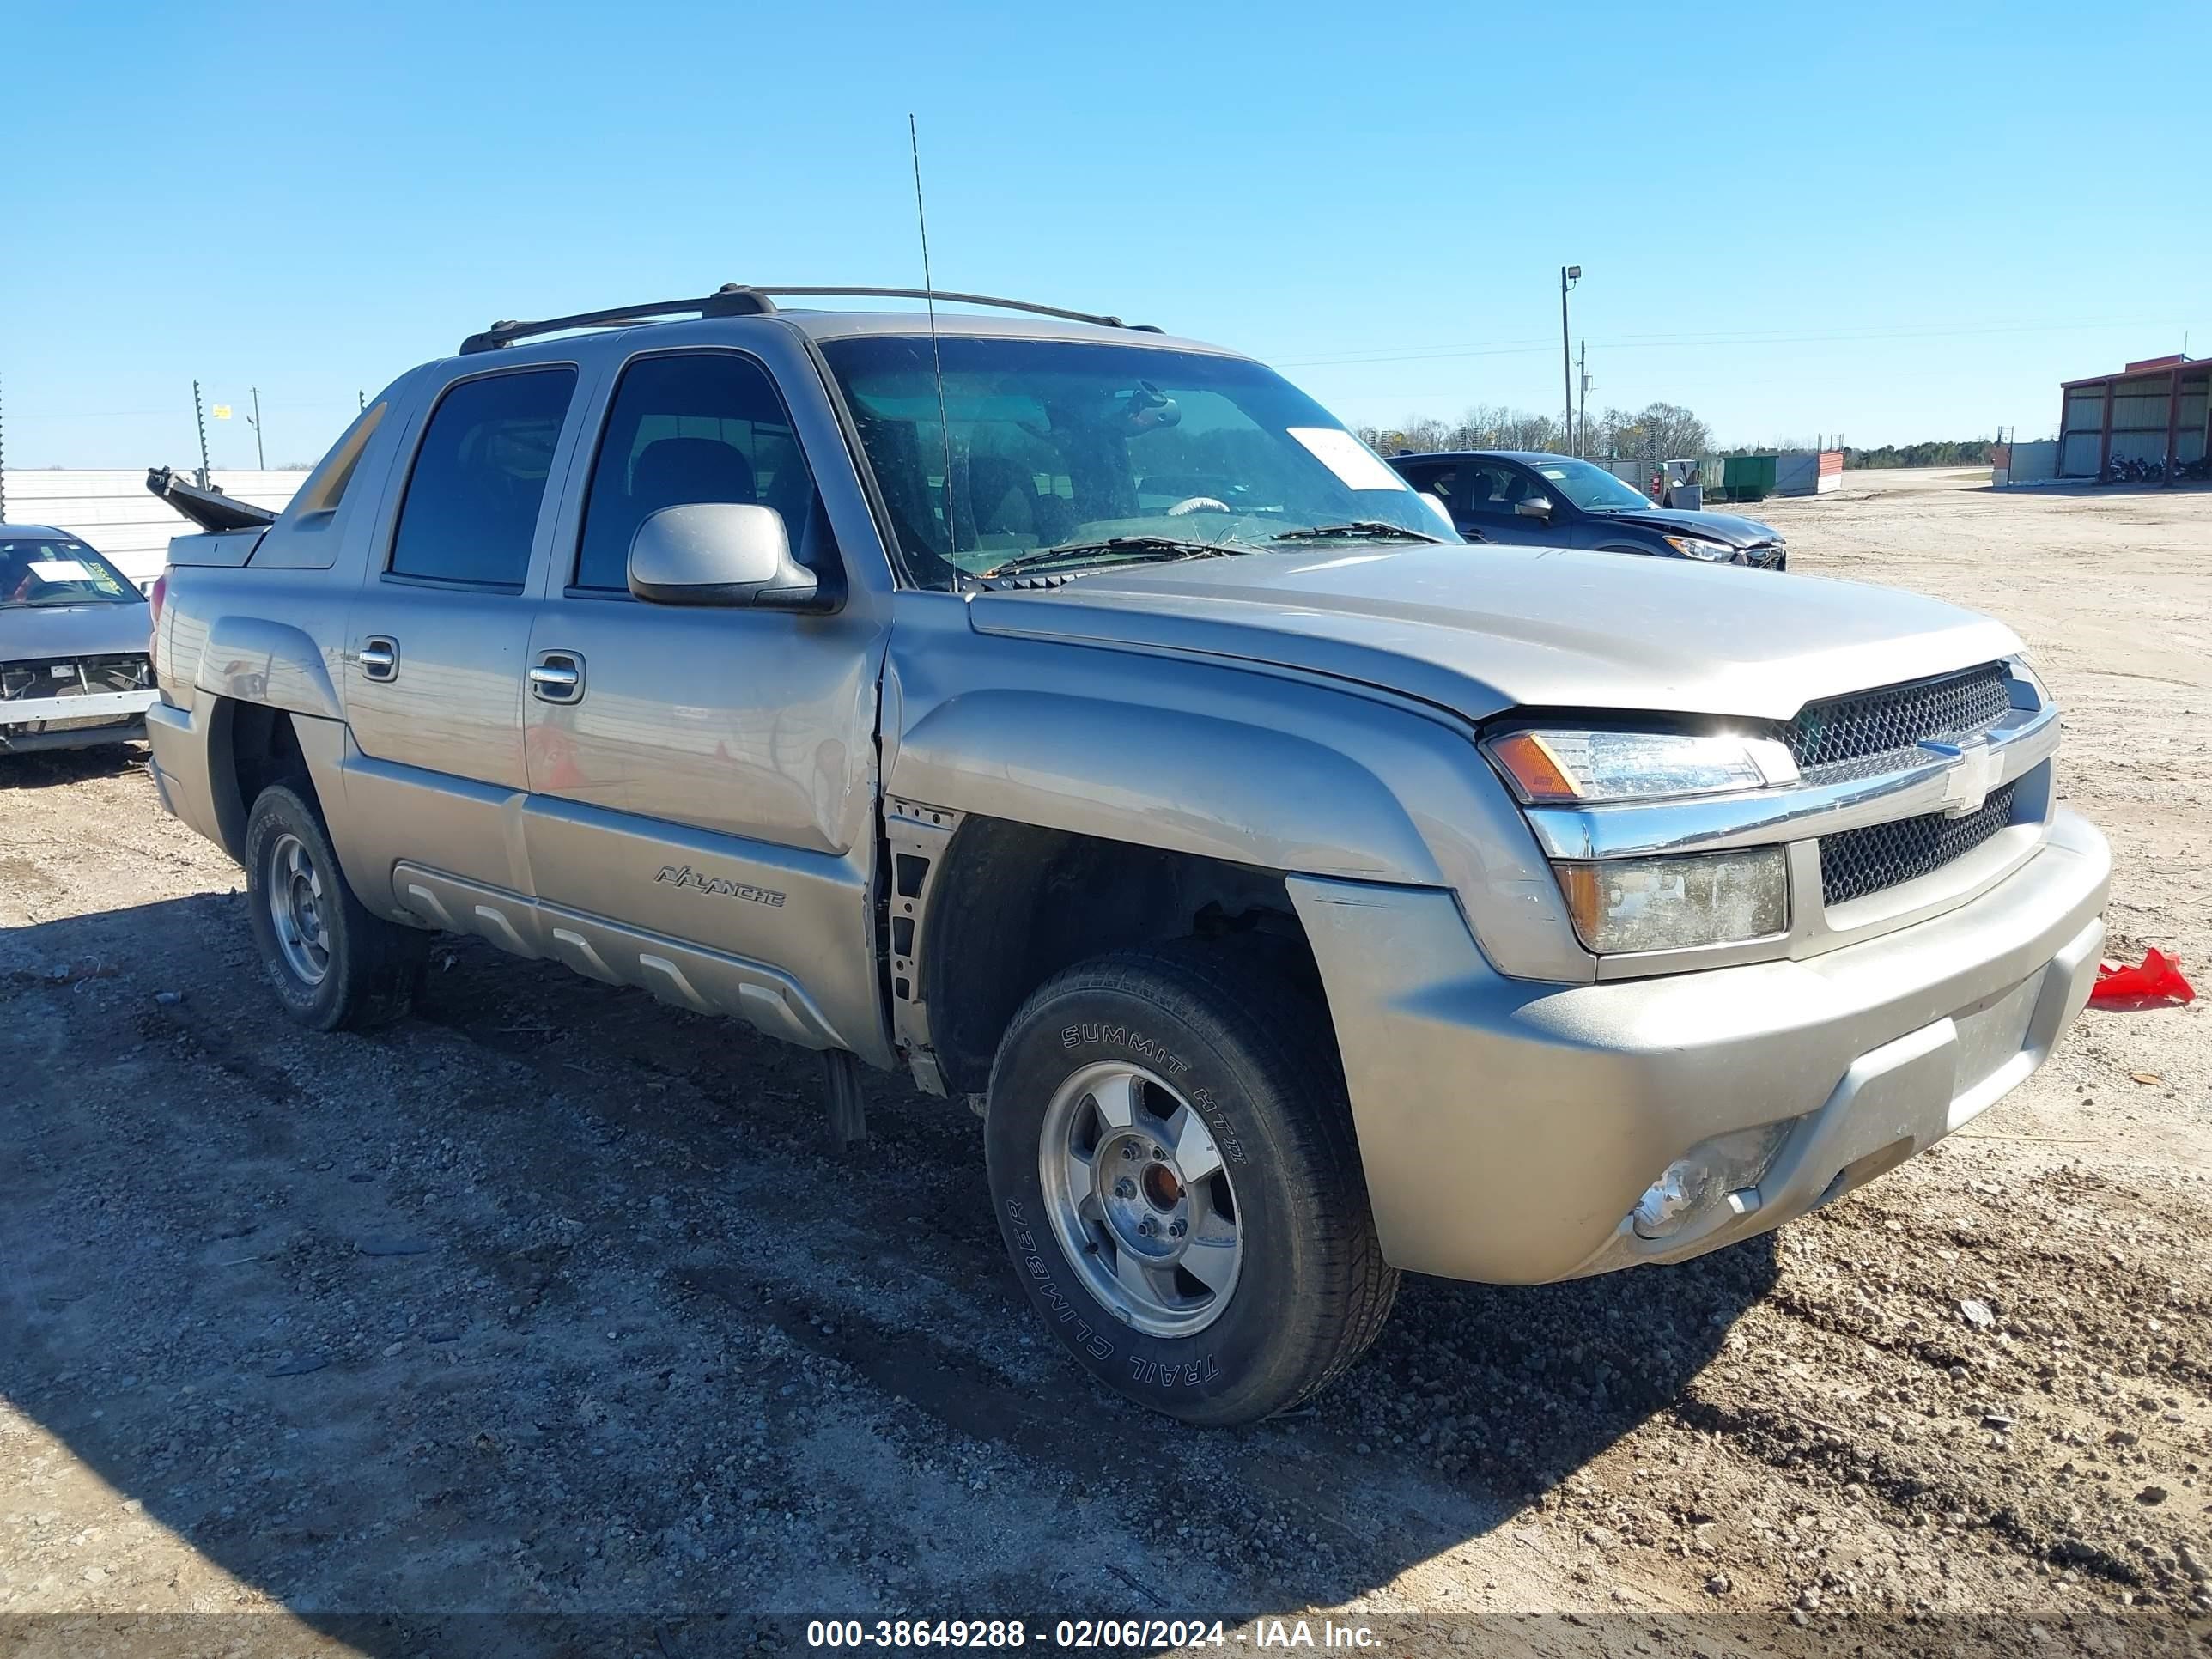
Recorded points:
(155, 595)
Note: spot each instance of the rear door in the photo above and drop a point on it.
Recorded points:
(1435, 480)
(436, 643)
(703, 818)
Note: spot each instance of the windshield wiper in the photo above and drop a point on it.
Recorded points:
(1356, 527)
(1141, 548)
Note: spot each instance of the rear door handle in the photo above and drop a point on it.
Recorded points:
(557, 677)
(378, 658)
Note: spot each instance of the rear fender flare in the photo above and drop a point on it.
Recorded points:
(253, 660)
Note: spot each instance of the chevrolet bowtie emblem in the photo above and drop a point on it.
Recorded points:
(1973, 770)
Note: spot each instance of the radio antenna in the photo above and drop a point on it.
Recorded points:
(937, 355)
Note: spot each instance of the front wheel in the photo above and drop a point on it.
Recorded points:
(1173, 1165)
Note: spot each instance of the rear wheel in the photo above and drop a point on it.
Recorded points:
(1173, 1165)
(334, 965)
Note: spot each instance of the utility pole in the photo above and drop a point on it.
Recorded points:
(199, 415)
(3, 464)
(360, 402)
(1569, 276)
(1582, 419)
(260, 458)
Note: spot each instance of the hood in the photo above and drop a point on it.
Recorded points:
(106, 629)
(1483, 629)
(1713, 526)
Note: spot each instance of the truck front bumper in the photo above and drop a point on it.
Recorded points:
(1509, 1127)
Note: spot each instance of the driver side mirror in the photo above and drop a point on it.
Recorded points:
(722, 553)
(1536, 506)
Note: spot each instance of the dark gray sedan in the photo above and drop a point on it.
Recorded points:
(1517, 495)
(73, 643)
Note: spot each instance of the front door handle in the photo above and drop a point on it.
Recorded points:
(557, 677)
(378, 658)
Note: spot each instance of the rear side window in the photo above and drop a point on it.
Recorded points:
(707, 427)
(1493, 488)
(326, 486)
(1431, 480)
(471, 508)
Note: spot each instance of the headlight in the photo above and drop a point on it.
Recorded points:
(1694, 1182)
(1696, 547)
(1577, 766)
(1621, 905)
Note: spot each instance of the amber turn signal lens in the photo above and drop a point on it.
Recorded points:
(1533, 767)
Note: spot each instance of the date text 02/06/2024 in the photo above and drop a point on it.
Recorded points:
(1120, 1634)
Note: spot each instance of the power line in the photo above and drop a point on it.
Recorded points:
(1676, 342)
(136, 413)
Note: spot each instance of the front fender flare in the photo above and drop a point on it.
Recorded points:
(1218, 786)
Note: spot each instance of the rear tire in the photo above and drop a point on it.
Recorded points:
(1174, 1170)
(334, 965)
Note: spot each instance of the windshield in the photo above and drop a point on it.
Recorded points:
(1069, 443)
(1592, 489)
(59, 571)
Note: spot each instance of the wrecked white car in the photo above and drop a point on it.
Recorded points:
(74, 634)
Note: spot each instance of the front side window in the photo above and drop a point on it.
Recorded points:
(1592, 489)
(1099, 452)
(683, 430)
(47, 571)
(470, 510)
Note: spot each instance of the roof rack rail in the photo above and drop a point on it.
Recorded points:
(741, 300)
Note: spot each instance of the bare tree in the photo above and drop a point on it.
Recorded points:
(1659, 432)
(1675, 431)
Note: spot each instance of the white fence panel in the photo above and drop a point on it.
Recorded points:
(113, 511)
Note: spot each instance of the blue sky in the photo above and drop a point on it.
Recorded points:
(1896, 222)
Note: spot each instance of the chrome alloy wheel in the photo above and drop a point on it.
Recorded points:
(297, 906)
(1140, 1199)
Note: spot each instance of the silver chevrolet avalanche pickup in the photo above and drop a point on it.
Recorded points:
(1082, 720)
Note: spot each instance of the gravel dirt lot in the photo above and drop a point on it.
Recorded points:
(549, 1299)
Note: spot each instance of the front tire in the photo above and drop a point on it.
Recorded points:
(1175, 1176)
(334, 965)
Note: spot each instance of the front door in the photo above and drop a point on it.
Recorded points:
(1489, 493)
(436, 644)
(703, 816)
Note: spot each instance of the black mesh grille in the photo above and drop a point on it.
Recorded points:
(1866, 730)
(1858, 862)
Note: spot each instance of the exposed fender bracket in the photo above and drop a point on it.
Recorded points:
(918, 835)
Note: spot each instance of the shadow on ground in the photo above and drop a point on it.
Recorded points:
(550, 1300)
(50, 768)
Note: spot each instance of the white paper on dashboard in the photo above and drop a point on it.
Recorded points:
(60, 570)
(1349, 458)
